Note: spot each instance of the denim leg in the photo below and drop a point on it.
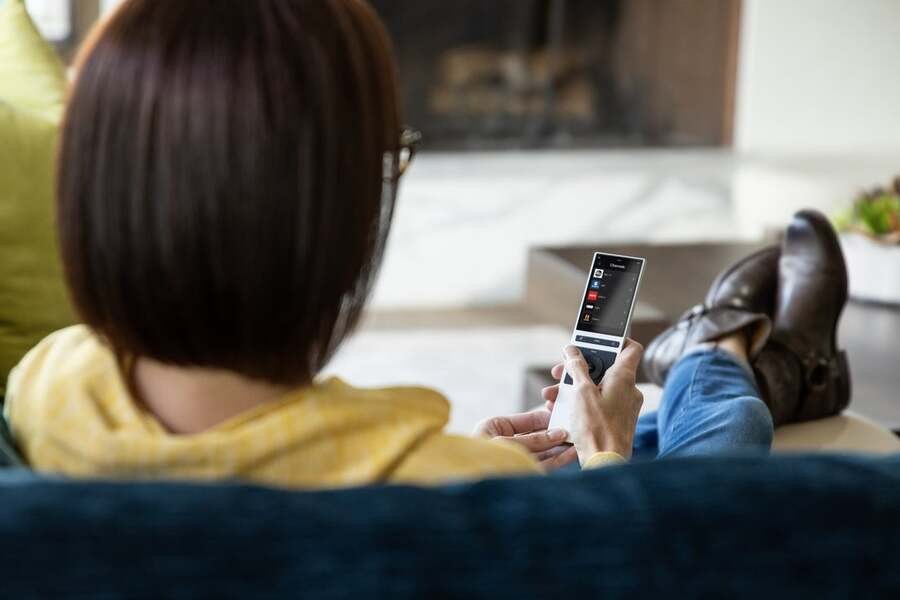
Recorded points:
(710, 405)
(646, 437)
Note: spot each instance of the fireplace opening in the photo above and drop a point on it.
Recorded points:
(527, 74)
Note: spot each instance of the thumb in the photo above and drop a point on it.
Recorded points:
(629, 359)
(576, 366)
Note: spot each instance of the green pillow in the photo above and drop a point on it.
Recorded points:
(33, 300)
(31, 76)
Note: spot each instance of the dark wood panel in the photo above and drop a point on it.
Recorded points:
(679, 60)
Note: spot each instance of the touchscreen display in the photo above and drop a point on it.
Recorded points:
(612, 284)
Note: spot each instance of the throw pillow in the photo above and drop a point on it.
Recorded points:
(33, 300)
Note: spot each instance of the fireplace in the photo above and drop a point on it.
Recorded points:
(523, 74)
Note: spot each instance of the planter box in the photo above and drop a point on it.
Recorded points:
(873, 269)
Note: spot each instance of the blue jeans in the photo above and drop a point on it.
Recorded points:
(710, 405)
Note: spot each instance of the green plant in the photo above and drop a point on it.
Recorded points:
(875, 213)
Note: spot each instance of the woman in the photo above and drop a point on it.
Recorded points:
(227, 176)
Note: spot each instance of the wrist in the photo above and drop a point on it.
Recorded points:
(604, 443)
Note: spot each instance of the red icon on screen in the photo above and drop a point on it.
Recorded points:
(592, 296)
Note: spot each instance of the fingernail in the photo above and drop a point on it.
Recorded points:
(571, 351)
(557, 434)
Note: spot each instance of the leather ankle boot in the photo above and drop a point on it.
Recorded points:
(801, 373)
(741, 298)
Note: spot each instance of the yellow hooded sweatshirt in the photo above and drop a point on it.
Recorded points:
(70, 413)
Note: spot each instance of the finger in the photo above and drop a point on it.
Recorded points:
(540, 419)
(627, 362)
(552, 452)
(576, 366)
(539, 441)
(526, 422)
(549, 405)
(491, 428)
(557, 371)
(550, 393)
(557, 460)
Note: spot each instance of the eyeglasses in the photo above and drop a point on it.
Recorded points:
(396, 165)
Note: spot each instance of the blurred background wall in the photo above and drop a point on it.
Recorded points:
(815, 76)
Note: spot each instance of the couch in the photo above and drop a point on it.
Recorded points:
(742, 527)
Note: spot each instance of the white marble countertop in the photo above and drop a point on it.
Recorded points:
(465, 221)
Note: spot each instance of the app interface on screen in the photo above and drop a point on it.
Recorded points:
(611, 287)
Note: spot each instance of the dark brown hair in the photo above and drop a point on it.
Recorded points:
(220, 192)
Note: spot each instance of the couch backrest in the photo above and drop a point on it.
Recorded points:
(740, 527)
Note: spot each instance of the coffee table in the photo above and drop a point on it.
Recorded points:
(677, 277)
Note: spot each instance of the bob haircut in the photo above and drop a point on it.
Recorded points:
(222, 197)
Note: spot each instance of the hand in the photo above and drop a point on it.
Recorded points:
(530, 430)
(605, 416)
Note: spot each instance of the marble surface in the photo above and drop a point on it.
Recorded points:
(464, 222)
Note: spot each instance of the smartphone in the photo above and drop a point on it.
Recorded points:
(602, 323)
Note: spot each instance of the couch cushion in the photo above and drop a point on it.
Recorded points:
(814, 527)
(32, 295)
(847, 432)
